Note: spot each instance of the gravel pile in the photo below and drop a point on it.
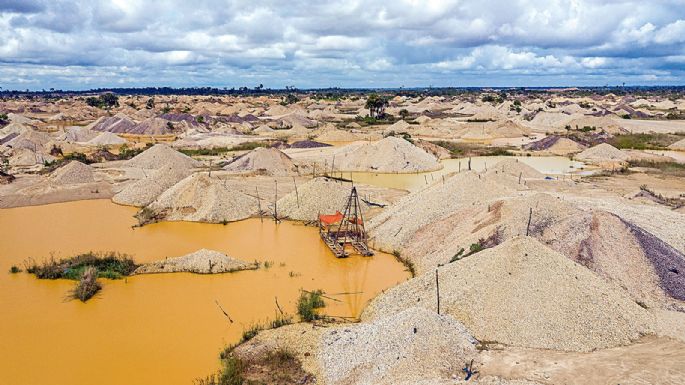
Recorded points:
(392, 155)
(263, 161)
(161, 155)
(143, 191)
(199, 198)
(72, 173)
(603, 152)
(616, 250)
(556, 145)
(308, 144)
(118, 123)
(392, 229)
(413, 344)
(522, 293)
(106, 139)
(318, 196)
(200, 262)
(513, 167)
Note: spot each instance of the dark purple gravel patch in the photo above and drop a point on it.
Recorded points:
(542, 144)
(308, 144)
(668, 262)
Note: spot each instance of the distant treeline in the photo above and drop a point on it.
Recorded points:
(335, 92)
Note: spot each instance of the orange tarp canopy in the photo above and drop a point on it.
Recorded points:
(330, 219)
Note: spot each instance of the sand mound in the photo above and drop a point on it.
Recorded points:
(200, 262)
(264, 161)
(199, 198)
(263, 130)
(24, 157)
(106, 139)
(524, 294)
(143, 191)
(679, 145)
(161, 155)
(399, 127)
(72, 173)
(318, 196)
(514, 167)
(338, 136)
(392, 155)
(601, 153)
(412, 345)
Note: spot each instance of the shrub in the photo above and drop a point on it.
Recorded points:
(88, 285)
(307, 304)
(15, 269)
(107, 265)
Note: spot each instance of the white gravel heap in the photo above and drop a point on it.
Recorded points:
(73, 172)
(392, 155)
(265, 161)
(143, 191)
(601, 153)
(391, 229)
(106, 139)
(200, 262)
(318, 196)
(161, 155)
(200, 198)
(524, 294)
(411, 345)
(514, 167)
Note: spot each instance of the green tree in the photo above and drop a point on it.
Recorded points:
(376, 105)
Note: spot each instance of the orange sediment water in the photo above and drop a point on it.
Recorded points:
(157, 329)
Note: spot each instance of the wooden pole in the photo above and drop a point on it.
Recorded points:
(520, 174)
(530, 215)
(469, 163)
(437, 289)
(297, 195)
(276, 204)
(259, 205)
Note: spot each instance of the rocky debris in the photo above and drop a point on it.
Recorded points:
(524, 294)
(411, 345)
(72, 173)
(143, 191)
(6, 178)
(391, 155)
(161, 155)
(264, 161)
(200, 262)
(199, 198)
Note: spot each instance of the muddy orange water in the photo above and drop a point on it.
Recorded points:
(156, 329)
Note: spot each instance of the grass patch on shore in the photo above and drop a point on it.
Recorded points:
(110, 265)
(308, 303)
(277, 367)
(461, 150)
(670, 168)
(246, 146)
(409, 265)
(643, 141)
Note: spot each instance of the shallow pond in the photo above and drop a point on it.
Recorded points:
(557, 166)
(157, 329)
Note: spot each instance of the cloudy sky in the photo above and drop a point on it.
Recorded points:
(81, 44)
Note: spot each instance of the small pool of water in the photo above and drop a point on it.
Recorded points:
(157, 329)
(550, 165)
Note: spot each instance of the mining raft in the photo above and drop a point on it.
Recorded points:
(341, 231)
